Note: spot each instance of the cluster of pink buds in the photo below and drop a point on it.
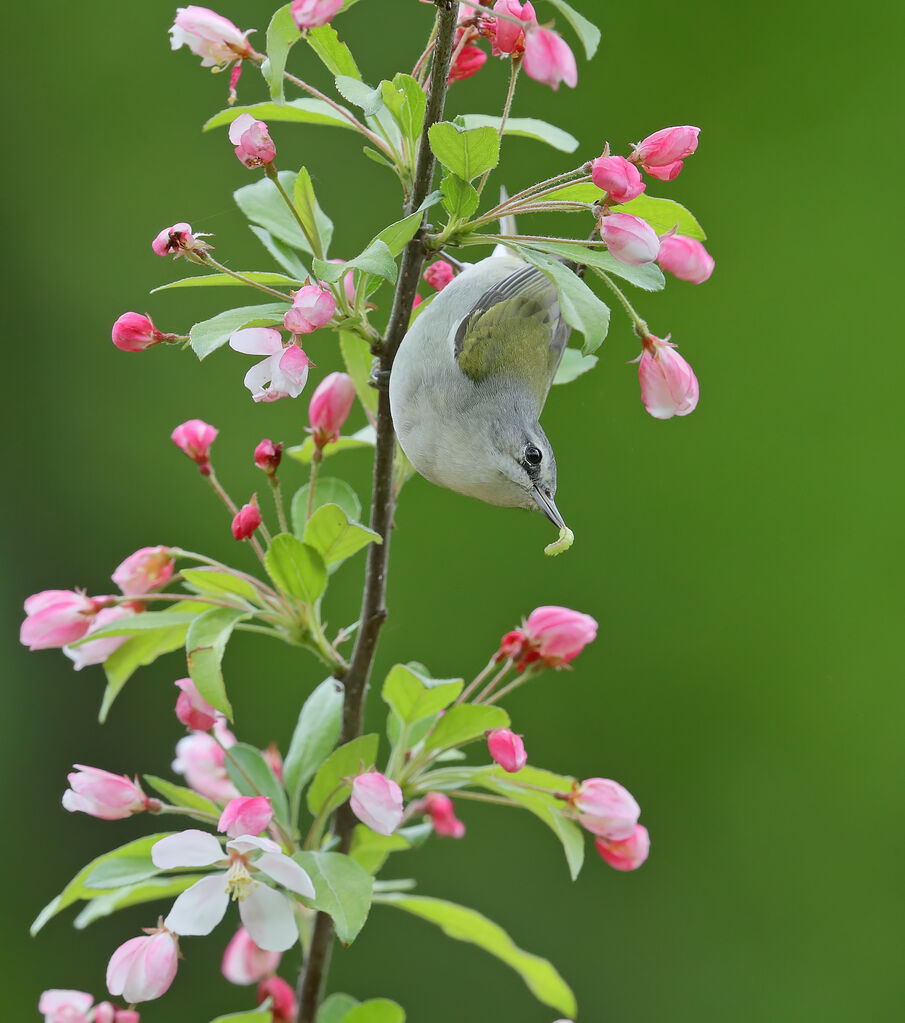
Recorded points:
(439, 274)
(551, 635)
(61, 1006)
(610, 812)
(662, 154)
(329, 408)
(442, 812)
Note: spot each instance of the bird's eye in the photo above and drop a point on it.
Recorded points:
(533, 455)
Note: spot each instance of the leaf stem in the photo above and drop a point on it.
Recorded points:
(641, 328)
(314, 242)
(514, 67)
(208, 258)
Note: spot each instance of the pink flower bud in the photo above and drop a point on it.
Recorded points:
(274, 761)
(605, 808)
(557, 635)
(314, 13)
(439, 274)
(507, 749)
(104, 1012)
(348, 281)
(111, 797)
(177, 241)
(99, 650)
(191, 707)
(147, 569)
(662, 153)
(627, 854)
(208, 35)
(195, 438)
(203, 763)
(246, 520)
(254, 146)
(668, 384)
(330, 406)
(143, 968)
(630, 239)
(244, 962)
(56, 618)
(548, 58)
(442, 811)
(617, 177)
(125, 1016)
(246, 815)
(377, 802)
(312, 307)
(268, 456)
(469, 61)
(512, 645)
(685, 258)
(133, 332)
(507, 36)
(63, 1006)
(283, 1005)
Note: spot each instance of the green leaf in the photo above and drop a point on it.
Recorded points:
(573, 365)
(281, 34)
(467, 152)
(407, 102)
(369, 100)
(216, 583)
(330, 532)
(299, 111)
(251, 1016)
(459, 197)
(371, 850)
(209, 335)
(663, 215)
(327, 791)
(76, 888)
(133, 895)
(335, 1007)
(376, 259)
(363, 438)
(135, 652)
(226, 281)
(377, 157)
(464, 924)
(327, 490)
(318, 225)
(581, 308)
(588, 33)
(296, 568)
(343, 889)
(377, 1010)
(204, 646)
(316, 733)
(147, 621)
(357, 356)
(399, 234)
(649, 277)
(178, 795)
(529, 128)
(124, 870)
(463, 724)
(253, 776)
(262, 204)
(413, 696)
(284, 254)
(335, 55)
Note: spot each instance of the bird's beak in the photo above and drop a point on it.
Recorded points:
(545, 502)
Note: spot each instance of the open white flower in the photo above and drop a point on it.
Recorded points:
(266, 913)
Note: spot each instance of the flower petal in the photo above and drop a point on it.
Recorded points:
(241, 124)
(286, 872)
(192, 848)
(256, 341)
(245, 843)
(200, 908)
(259, 375)
(268, 918)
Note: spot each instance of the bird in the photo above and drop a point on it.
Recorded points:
(470, 380)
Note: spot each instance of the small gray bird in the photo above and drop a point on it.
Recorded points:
(470, 380)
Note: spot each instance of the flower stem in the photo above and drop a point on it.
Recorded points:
(514, 684)
(313, 241)
(278, 501)
(316, 460)
(477, 680)
(209, 259)
(641, 328)
(514, 66)
(494, 682)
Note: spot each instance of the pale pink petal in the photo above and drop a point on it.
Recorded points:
(245, 843)
(259, 375)
(192, 848)
(256, 341)
(121, 963)
(268, 918)
(57, 999)
(242, 123)
(200, 908)
(286, 872)
(291, 372)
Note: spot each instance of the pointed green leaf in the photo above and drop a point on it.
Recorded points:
(330, 532)
(360, 95)
(649, 277)
(529, 128)
(226, 281)
(376, 259)
(363, 438)
(263, 204)
(377, 1010)
(467, 152)
(318, 225)
(663, 215)
(406, 101)
(573, 365)
(588, 33)
(204, 646)
(298, 111)
(216, 583)
(147, 621)
(335, 55)
(328, 791)
(296, 568)
(135, 652)
(327, 490)
(413, 696)
(149, 890)
(335, 1007)
(178, 795)
(459, 197)
(316, 733)
(253, 776)
(359, 359)
(284, 254)
(371, 850)
(281, 34)
(209, 335)
(463, 724)
(398, 235)
(343, 889)
(251, 1016)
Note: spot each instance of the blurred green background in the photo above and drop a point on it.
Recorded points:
(744, 563)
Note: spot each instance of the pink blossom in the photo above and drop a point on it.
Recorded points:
(98, 650)
(195, 438)
(284, 371)
(685, 258)
(268, 455)
(468, 62)
(627, 854)
(106, 1012)
(668, 384)
(507, 36)
(330, 406)
(507, 749)
(147, 569)
(442, 812)
(200, 758)
(605, 808)
(246, 815)
(111, 797)
(266, 912)
(617, 177)
(191, 707)
(314, 13)
(348, 282)
(312, 307)
(143, 968)
(133, 332)
(213, 38)
(548, 58)
(439, 274)
(662, 153)
(63, 1006)
(246, 520)
(630, 239)
(177, 241)
(124, 1016)
(377, 801)
(55, 618)
(274, 761)
(282, 997)
(254, 146)
(554, 635)
(245, 963)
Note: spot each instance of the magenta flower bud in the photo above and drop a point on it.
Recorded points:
(195, 438)
(662, 153)
(442, 812)
(312, 307)
(268, 456)
(507, 36)
(133, 332)
(557, 635)
(282, 999)
(377, 802)
(56, 618)
(330, 406)
(105, 1012)
(605, 808)
(200, 758)
(143, 968)
(668, 384)
(507, 749)
(246, 815)
(630, 239)
(63, 1006)
(439, 274)
(627, 854)
(97, 651)
(125, 1016)
(685, 258)
(254, 146)
(147, 569)
(191, 707)
(213, 38)
(111, 797)
(469, 61)
(617, 177)
(244, 962)
(177, 241)
(314, 13)
(548, 58)
(246, 520)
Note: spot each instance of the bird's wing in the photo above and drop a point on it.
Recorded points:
(516, 327)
